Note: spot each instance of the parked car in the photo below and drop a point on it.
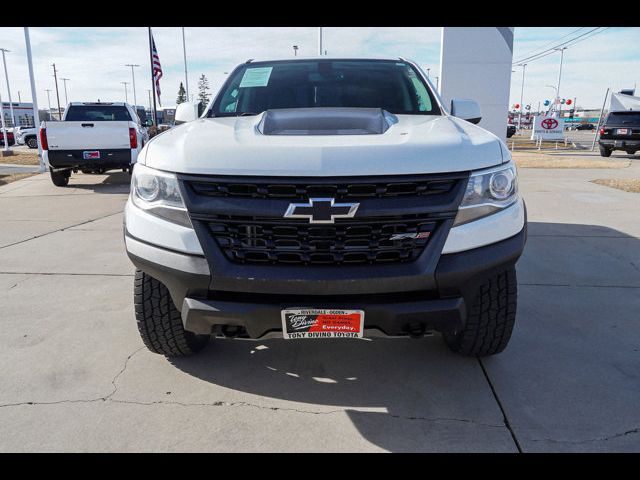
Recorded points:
(511, 130)
(584, 126)
(324, 198)
(10, 138)
(620, 131)
(26, 136)
(92, 138)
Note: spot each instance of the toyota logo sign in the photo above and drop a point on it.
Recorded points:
(549, 123)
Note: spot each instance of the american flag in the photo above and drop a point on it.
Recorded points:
(157, 68)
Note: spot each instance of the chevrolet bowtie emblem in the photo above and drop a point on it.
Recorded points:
(321, 210)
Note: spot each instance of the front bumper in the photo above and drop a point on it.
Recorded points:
(441, 307)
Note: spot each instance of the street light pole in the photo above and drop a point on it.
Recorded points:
(6, 75)
(523, 65)
(320, 41)
(184, 53)
(34, 97)
(55, 76)
(133, 76)
(66, 98)
(295, 50)
(5, 140)
(560, 77)
(126, 97)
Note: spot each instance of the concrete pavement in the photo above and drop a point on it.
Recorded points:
(76, 376)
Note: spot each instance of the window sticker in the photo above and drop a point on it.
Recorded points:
(256, 77)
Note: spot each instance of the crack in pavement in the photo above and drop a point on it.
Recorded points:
(109, 398)
(590, 440)
(61, 229)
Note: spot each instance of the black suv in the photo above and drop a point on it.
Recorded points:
(620, 131)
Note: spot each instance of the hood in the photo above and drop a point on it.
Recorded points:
(234, 146)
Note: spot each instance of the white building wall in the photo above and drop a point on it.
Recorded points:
(475, 63)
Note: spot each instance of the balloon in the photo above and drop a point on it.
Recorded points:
(517, 105)
(546, 103)
(569, 102)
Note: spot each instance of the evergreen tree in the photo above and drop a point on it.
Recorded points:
(203, 86)
(182, 95)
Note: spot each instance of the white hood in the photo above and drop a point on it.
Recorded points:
(414, 145)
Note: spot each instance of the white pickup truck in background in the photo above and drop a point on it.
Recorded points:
(92, 138)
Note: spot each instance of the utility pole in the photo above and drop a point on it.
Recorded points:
(55, 76)
(523, 65)
(184, 54)
(36, 117)
(19, 99)
(428, 70)
(6, 75)
(133, 76)
(438, 84)
(66, 98)
(126, 97)
(48, 102)
(295, 50)
(560, 78)
(320, 41)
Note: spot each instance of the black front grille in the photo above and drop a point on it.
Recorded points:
(352, 190)
(278, 241)
(243, 217)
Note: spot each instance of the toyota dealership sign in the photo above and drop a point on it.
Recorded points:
(548, 128)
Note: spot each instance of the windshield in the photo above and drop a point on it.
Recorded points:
(97, 113)
(623, 118)
(391, 85)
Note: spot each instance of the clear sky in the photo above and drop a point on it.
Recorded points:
(94, 58)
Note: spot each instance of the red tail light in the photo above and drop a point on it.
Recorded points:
(133, 138)
(43, 139)
(601, 130)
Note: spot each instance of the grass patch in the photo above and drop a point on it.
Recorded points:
(12, 177)
(540, 160)
(628, 185)
(22, 157)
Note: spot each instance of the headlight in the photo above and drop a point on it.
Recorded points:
(158, 193)
(488, 191)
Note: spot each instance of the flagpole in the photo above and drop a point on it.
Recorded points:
(153, 85)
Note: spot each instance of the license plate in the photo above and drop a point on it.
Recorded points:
(618, 143)
(91, 155)
(322, 323)
(622, 131)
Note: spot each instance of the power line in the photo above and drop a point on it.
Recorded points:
(571, 42)
(553, 41)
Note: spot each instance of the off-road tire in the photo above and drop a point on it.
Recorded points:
(32, 142)
(490, 319)
(605, 152)
(159, 322)
(60, 179)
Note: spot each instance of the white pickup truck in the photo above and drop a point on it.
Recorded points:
(92, 138)
(326, 198)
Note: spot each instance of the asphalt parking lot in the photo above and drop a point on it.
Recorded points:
(76, 377)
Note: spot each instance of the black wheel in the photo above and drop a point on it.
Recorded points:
(60, 179)
(605, 152)
(490, 319)
(32, 142)
(159, 322)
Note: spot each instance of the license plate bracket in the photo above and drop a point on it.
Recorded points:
(299, 323)
(91, 154)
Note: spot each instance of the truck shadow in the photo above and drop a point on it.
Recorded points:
(106, 183)
(415, 395)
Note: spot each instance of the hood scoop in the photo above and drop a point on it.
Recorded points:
(326, 121)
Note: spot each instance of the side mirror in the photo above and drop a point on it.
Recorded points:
(468, 110)
(187, 112)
